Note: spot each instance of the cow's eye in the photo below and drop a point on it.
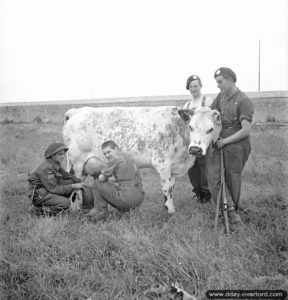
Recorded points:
(190, 127)
(210, 130)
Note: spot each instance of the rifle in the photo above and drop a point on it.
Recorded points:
(221, 197)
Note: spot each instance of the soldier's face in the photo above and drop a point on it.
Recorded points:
(109, 153)
(223, 84)
(195, 88)
(59, 156)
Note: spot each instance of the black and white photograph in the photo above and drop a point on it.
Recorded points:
(143, 149)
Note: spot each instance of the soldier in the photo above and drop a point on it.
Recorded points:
(123, 194)
(50, 185)
(198, 173)
(236, 111)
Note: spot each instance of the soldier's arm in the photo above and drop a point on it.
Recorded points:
(70, 176)
(239, 135)
(49, 181)
(245, 111)
(214, 104)
(109, 170)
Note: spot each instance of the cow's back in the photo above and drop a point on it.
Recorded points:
(134, 129)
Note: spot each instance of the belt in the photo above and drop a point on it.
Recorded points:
(231, 125)
(129, 184)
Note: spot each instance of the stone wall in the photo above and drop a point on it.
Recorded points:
(269, 107)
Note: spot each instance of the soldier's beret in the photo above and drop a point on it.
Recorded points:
(191, 78)
(54, 148)
(225, 72)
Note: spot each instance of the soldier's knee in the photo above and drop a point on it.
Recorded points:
(67, 203)
(100, 186)
(88, 198)
(64, 203)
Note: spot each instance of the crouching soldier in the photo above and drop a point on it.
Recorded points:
(123, 194)
(50, 186)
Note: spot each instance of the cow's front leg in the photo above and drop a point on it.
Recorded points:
(163, 167)
(168, 189)
(168, 183)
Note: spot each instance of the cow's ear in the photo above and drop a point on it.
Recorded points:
(186, 114)
(217, 125)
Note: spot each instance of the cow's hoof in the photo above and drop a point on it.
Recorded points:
(170, 210)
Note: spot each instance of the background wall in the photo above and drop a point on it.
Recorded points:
(269, 107)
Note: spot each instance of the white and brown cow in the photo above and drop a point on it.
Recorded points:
(153, 136)
(204, 126)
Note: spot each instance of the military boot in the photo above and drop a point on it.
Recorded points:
(197, 194)
(205, 197)
(97, 215)
(234, 220)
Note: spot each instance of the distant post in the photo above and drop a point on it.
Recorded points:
(259, 61)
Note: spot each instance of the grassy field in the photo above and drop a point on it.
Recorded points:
(66, 257)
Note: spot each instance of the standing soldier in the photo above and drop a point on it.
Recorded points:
(198, 173)
(236, 111)
(50, 185)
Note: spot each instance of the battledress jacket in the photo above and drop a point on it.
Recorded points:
(50, 177)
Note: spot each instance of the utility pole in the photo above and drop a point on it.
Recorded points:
(259, 62)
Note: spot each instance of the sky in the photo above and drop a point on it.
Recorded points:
(79, 50)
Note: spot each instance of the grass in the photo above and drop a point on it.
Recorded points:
(67, 257)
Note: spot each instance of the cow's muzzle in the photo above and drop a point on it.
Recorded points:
(196, 151)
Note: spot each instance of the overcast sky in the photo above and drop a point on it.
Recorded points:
(78, 49)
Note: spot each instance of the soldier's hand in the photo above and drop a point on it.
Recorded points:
(77, 186)
(86, 184)
(102, 178)
(220, 143)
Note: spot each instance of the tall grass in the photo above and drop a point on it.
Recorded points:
(68, 257)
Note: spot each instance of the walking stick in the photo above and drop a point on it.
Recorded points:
(221, 197)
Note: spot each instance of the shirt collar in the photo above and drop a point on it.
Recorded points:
(54, 164)
(231, 94)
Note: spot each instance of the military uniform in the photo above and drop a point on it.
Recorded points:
(233, 110)
(127, 191)
(50, 186)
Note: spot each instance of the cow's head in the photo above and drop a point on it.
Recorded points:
(204, 126)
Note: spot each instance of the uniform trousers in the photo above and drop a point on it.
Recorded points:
(198, 176)
(235, 156)
(55, 203)
(123, 197)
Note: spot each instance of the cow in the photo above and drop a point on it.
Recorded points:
(156, 137)
(204, 125)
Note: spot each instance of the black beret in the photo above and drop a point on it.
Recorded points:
(191, 78)
(54, 148)
(225, 72)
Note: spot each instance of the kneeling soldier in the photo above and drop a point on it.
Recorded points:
(50, 186)
(125, 193)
